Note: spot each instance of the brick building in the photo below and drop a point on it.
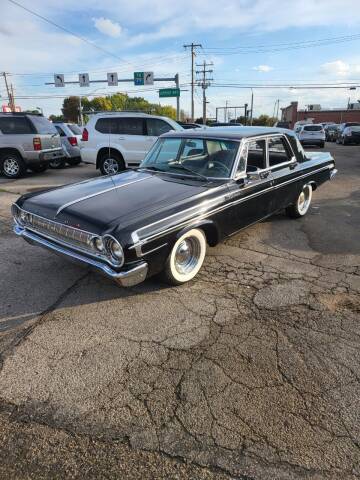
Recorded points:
(292, 115)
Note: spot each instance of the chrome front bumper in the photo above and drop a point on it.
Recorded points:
(127, 278)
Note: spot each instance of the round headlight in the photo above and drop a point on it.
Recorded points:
(99, 244)
(116, 250)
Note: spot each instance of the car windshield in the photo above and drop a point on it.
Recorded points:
(74, 128)
(193, 156)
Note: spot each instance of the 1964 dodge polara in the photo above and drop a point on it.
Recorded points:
(193, 188)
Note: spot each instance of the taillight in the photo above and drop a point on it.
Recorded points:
(37, 143)
(72, 141)
(85, 135)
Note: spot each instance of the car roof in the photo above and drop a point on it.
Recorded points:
(228, 133)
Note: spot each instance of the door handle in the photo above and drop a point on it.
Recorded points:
(264, 174)
(121, 138)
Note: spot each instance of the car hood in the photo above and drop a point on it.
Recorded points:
(96, 205)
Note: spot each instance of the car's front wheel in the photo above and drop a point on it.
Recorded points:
(111, 164)
(302, 204)
(12, 165)
(186, 258)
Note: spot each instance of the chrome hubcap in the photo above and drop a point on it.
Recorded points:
(11, 166)
(304, 200)
(187, 255)
(111, 166)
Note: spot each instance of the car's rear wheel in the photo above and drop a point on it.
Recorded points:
(74, 161)
(302, 204)
(111, 163)
(12, 165)
(57, 163)
(38, 168)
(186, 258)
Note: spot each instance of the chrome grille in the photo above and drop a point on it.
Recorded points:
(57, 231)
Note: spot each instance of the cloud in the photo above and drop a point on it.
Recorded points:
(107, 27)
(340, 68)
(263, 68)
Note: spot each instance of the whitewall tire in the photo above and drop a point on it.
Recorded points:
(186, 257)
(302, 204)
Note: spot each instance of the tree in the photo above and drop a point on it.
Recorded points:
(56, 118)
(70, 109)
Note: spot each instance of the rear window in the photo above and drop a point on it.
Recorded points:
(75, 129)
(43, 126)
(15, 126)
(313, 128)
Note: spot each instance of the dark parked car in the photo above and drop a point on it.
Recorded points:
(224, 124)
(188, 126)
(350, 135)
(341, 128)
(331, 132)
(193, 189)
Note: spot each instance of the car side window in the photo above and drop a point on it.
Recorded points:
(60, 131)
(129, 126)
(106, 125)
(278, 151)
(156, 127)
(15, 126)
(242, 161)
(256, 158)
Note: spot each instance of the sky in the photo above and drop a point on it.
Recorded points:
(252, 42)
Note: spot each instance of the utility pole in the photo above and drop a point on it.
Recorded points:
(204, 83)
(277, 110)
(252, 107)
(9, 94)
(193, 47)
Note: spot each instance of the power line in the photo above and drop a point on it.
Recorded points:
(280, 46)
(83, 39)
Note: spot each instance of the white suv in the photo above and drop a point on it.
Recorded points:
(115, 141)
(312, 134)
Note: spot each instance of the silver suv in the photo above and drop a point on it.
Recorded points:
(27, 141)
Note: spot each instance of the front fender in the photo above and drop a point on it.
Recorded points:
(209, 227)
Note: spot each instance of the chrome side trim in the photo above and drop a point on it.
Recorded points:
(125, 278)
(137, 245)
(91, 195)
(333, 173)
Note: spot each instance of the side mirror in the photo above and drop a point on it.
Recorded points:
(293, 163)
(253, 176)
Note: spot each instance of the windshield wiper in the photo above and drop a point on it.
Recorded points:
(151, 167)
(187, 169)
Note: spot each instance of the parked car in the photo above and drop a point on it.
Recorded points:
(27, 141)
(331, 132)
(282, 124)
(341, 129)
(350, 135)
(115, 141)
(225, 124)
(187, 125)
(193, 189)
(70, 136)
(312, 134)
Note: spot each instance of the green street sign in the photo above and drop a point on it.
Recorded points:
(169, 92)
(138, 78)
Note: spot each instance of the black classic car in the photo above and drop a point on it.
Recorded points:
(193, 189)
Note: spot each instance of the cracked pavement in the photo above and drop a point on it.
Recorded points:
(249, 372)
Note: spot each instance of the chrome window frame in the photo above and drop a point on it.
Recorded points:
(246, 141)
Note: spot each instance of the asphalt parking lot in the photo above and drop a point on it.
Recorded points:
(251, 371)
